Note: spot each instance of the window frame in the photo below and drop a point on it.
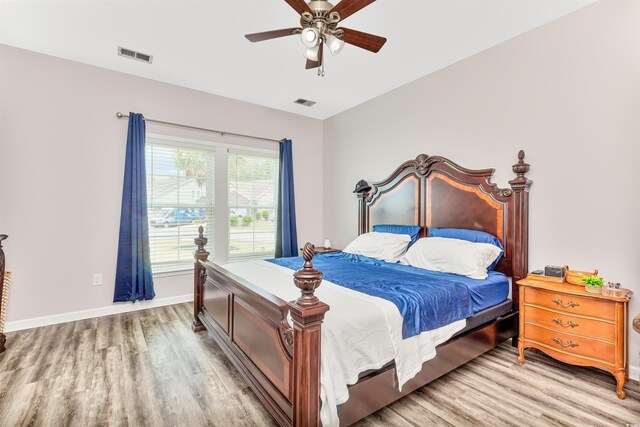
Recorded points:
(220, 237)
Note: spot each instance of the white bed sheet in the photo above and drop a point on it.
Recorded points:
(360, 332)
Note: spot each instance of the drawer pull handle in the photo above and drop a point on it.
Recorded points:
(569, 324)
(568, 344)
(570, 304)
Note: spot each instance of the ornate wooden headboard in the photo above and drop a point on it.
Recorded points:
(433, 191)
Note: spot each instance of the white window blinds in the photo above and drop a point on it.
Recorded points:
(180, 197)
(253, 191)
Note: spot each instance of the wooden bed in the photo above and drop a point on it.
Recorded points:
(281, 362)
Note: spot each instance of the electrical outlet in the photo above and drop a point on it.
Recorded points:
(97, 279)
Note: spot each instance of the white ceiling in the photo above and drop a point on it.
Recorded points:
(200, 44)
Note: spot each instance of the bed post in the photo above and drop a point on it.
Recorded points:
(307, 313)
(519, 259)
(363, 227)
(199, 276)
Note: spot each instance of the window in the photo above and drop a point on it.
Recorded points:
(252, 205)
(187, 180)
(180, 197)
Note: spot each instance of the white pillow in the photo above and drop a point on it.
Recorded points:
(452, 256)
(383, 246)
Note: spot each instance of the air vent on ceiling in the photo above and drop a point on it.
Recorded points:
(128, 53)
(304, 102)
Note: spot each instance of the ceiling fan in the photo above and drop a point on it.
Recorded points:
(319, 21)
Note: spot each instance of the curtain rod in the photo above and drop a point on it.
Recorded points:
(125, 116)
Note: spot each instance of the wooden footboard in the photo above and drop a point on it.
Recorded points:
(281, 362)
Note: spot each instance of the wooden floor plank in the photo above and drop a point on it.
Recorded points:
(52, 354)
(158, 343)
(147, 368)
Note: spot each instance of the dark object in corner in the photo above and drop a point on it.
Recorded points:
(3, 338)
(554, 271)
(362, 187)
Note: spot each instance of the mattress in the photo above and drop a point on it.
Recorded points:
(488, 292)
(426, 299)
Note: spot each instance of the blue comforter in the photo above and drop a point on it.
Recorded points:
(426, 299)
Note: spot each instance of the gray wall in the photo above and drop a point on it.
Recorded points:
(568, 93)
(61, 168)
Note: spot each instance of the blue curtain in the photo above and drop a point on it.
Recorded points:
(286, 234)
(134, 281)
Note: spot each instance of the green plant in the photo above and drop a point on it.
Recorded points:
(265, 215)
(247, 220)
(233, 220)
(258, 216)
(593, 280)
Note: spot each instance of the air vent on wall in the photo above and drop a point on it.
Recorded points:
(304, 102)
(128, 53)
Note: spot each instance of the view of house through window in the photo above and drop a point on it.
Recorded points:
(181, 196)
(252, 205)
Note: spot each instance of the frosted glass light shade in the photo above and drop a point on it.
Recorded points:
(312, 53)
(310, 37)
(334, 44)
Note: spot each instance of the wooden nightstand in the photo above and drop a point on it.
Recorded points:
(575, 326)
(321, 250)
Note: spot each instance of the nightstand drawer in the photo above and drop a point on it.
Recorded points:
(570, 303)
(571, 323)
(573, 344)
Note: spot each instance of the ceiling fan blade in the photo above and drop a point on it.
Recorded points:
(315, 64)
(299, 5)
(267, 35)
(363, 40)
(347, 8)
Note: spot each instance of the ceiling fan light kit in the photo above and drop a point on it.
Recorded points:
(334, 44)
(312, 53)
(310, 37)
(319, 21)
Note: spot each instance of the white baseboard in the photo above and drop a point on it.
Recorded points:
(117, 308)
(634, 372)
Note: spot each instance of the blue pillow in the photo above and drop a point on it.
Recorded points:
(412, 230)
(471, 236)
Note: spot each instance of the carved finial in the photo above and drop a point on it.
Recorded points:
(307, 279)
(201, 242)
(520, 169)
(362, 187)
(308, 252)
(2, 238)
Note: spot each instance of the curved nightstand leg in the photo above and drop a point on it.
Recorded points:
(620, 379)
(520, 353)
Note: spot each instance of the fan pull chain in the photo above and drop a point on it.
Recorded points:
(321, 69)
